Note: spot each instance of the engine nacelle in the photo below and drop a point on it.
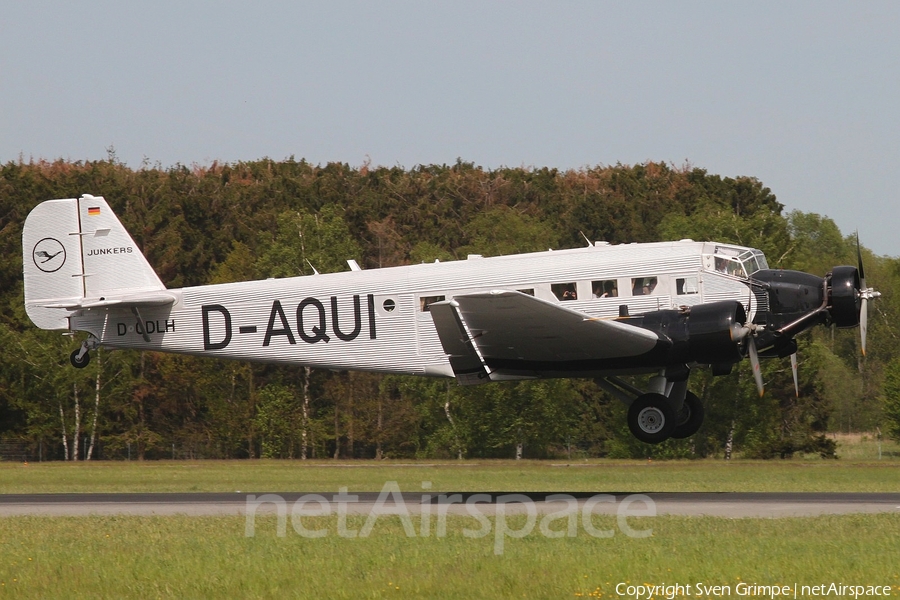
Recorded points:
(789, 295)
(714, 332)
(706, 333)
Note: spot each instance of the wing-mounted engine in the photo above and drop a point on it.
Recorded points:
(710, 333)
(716, 332)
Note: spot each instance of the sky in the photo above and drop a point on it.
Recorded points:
(802, 95)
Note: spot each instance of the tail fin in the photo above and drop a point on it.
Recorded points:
(77, 254)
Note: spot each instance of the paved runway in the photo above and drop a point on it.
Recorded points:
(722, 504)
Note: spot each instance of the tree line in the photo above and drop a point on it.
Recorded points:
(266, 218)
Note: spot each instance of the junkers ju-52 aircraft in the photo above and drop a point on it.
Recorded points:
(602, 311)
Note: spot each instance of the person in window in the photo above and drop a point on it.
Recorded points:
(721, 265)
(569, 295)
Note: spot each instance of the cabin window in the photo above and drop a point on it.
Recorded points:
(426, 301)
(528, 292)
(643, 286)
(564, 291)
(607, 288)
(687, 285)
(388, 305)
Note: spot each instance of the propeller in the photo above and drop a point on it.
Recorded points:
(794, 373)
(754, 362)
(748, 332)
(865, 294)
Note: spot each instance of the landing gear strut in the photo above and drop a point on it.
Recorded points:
(81, 357)
(690, 418)
(666, 410)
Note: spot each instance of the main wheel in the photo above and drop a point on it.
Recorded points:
(690, 418)
(651, 418)
(83, 362)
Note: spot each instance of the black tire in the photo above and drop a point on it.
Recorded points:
(651, 418)
(690, 418)
(79, 364)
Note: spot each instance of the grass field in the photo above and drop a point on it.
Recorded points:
(865, 446)
(328, 476)
(203, 557)
(211, 557)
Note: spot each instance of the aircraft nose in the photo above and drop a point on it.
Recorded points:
(791, 293)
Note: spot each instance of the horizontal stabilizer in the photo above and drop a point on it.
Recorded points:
(147, 299)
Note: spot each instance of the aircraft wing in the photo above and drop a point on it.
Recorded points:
(504, 327)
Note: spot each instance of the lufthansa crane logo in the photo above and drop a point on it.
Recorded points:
(49, 255)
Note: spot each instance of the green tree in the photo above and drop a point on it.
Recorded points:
(892, 399)
(276, 421)
(303, 241)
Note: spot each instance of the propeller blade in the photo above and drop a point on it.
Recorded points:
(754, 362)
(859, 262)
(865, 294)
(863, 322)
(794, 373)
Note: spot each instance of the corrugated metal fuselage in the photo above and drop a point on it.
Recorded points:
(376, 320)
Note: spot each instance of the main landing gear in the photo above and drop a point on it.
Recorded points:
(81, 357)
(668, 410)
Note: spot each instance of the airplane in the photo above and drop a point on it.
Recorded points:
(603, 311)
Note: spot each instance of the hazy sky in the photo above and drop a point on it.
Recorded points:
(804, 96)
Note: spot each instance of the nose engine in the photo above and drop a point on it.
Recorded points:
(786, 297)
(846, 294)
(793, 301)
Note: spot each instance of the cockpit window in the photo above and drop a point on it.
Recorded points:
(739, 262)
(731, 266)
(754, 261)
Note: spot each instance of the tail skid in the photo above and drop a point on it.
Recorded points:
(77, 255)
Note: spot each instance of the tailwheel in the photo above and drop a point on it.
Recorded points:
(690, 418)
(651, 418)
(80, 358)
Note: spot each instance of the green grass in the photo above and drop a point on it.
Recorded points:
(328, 476)
(866, 447)
(209, 557)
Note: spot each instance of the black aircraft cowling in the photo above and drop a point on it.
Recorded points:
(791, 295)
(845, 300)
(705, 333)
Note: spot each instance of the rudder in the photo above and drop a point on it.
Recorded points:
(76, 251)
